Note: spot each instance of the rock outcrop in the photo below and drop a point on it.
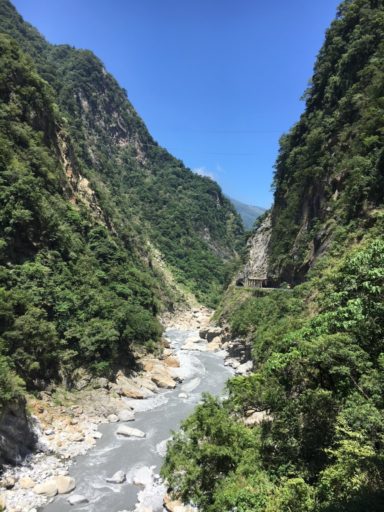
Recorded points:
(256, 271)
(17, 435)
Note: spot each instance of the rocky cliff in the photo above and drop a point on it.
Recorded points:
(256, 270)
(17, 435)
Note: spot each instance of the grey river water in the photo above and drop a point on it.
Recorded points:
(141, 459)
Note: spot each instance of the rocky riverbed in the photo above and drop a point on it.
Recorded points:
(70, 424)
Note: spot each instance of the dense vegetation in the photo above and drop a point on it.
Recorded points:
(317, 348)
(71, 293)
(89, 204)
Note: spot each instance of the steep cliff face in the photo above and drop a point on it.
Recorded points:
(256, 270)
(17, 435)
(330, 174)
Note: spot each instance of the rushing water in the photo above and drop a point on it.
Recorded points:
(141, 459)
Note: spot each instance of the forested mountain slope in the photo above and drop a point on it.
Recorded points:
(89, 202)
(329, 176)
(185, 215)
(317, 347)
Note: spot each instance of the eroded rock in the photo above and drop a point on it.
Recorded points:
(77, 499)
(48, 488)
(126, 415)
(118, 478)
(124, 430)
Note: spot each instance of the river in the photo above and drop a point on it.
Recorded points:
(141, 459)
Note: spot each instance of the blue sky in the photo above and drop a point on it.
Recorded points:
(216, 81)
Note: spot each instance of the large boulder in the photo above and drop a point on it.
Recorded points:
(77, 499)
(65, 484)
(172, 362)
(177, 506)
(124, 430)
(126, 415)
(244, 368)
(210, 332)
(214, 345)
(162, 378)
(118, 478)
(256, 417)
(26, 482)
(128, 388)
(146, 383)
(47, 488)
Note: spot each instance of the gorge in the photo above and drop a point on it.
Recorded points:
(126, 279)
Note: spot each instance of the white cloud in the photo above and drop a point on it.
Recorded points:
(202, 171)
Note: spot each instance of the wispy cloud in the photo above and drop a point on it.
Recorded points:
(202, 171)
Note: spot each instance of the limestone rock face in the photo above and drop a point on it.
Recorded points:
(257, 267)
(255, 418)
(209, 333)
(177, 506)
(17, 436)
(244, 368)
(172, 362)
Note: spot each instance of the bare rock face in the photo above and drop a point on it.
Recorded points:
(244, 368)
(172, 362)
(255, 272)
(256, 418)
(177, 506)
(17, 436)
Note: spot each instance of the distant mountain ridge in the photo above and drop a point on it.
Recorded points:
(248, 212)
